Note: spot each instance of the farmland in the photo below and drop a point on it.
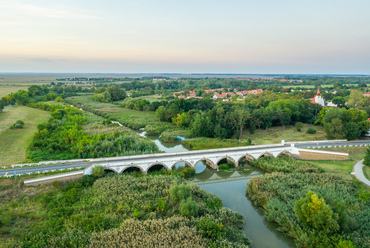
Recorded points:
(14, 142)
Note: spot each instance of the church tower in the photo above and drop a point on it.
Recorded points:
(319, 99)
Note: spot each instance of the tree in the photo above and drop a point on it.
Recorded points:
(356, 99)
(339, 101)
(239, 117)
(313, 212)
(367, 157)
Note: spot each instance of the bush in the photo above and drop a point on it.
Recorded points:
(223, 167)
(17, 124)
(180, 192)
(189, 208)
(187, 172)
(56, 183)
(299, 126)
(97, 171)
(311, 130)
(210, 229)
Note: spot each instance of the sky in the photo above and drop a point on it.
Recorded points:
(168, 36)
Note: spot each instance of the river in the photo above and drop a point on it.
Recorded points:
(230, 187)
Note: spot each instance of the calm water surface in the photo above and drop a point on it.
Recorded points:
(232, 192)
(230, 187)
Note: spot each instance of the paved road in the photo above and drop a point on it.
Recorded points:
(359, 173)
(40, 169)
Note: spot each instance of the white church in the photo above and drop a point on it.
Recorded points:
(320, 100)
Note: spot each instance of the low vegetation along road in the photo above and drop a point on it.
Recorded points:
(41, 169)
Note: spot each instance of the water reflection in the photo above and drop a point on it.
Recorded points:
(262, 233)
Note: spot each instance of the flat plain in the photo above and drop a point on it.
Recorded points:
(14, 142)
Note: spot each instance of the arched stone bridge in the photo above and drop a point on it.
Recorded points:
(211, 157)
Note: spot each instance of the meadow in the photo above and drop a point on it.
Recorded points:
(275, 135)
(14, 142)
(130, 118)
(345, 167)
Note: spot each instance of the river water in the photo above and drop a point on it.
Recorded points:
(230, 187)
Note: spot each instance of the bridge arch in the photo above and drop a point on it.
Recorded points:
(285, 153)
(108, 169)
(208, 163)
(266, 154)
(130, 167)
(157, 163)
(187, 164)
(229, 160)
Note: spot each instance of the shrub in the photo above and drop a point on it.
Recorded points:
(17, 124)
(311, 130)
(299, 126)
(97, 171)
(314, 212)
(189, 208)
(187, 172)
(180, 192)
(210, 229)
(223, 167)
(56, 183)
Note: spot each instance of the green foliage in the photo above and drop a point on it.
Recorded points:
(311, 130)
(343, 123)
(314, 212)
(180, 192)
(189, 207)
(17, 124)
(312, 221)
(117, 209)
(97, 171)
(210, 229)
(299, 126)
(62, 137)
(223, 167)
(363, 195)
(187, 172)
(367, 157)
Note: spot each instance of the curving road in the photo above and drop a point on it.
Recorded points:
(359, 173)
(308, 144)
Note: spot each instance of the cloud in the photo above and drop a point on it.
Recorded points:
(45, 12)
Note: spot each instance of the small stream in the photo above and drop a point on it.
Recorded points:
(230, 187)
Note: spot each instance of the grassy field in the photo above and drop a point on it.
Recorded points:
(367, 171)
(13, 143)
(130, 118)
(7, 89)
(342, 168)
(276, 134)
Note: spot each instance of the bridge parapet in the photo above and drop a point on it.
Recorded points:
(212, 158)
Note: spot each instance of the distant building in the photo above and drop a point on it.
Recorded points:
(320, 100)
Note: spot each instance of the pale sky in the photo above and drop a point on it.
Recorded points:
(204, 36)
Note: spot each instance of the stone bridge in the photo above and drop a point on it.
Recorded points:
(211, 157)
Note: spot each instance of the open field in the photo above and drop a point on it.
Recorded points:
(150, 98)
(277, 134)
(342, 168)
(7, 89)
(130, 118)
(14, 142)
